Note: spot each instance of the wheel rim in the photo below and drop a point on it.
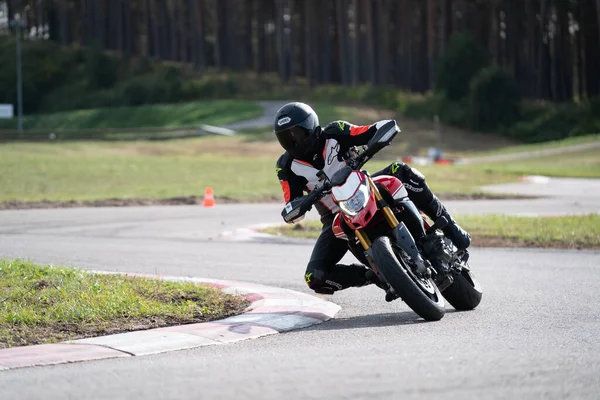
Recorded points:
(425, 284)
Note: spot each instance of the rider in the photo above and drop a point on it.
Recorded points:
(310, 148)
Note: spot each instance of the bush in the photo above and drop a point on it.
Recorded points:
(162, 87)
(559, 122)
(494, 99)
(45, 66)
(463, 59)
(207, 88)
(101, 70)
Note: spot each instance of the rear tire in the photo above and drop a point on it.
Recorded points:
(425, 298)
(465, 292)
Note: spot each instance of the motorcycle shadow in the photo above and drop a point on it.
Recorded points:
(372, 321)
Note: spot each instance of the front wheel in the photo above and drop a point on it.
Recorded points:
(419, 293)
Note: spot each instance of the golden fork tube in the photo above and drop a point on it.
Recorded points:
(387, 213)
(363, 239)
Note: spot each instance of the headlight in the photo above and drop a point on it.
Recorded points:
(354, 204)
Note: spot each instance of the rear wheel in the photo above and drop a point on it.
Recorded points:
(419, 293)
(465, 292)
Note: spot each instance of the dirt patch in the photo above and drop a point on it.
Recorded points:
(191, 200)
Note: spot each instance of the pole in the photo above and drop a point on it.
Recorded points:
(19, 80)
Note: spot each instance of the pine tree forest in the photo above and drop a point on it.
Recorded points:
(552, 47)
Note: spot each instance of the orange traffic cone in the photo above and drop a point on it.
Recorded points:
(209, 198)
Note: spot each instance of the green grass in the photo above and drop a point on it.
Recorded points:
(554, 144)
(582, 164)
(575, 231)
(215, 112)
(42, 304)
(231, 166)
(237, 167)
(581, 231)
(87, 171)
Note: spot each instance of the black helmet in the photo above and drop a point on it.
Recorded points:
(294, 124)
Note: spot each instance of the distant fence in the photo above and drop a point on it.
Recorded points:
(110, 134)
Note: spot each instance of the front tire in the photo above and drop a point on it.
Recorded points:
(424, 298)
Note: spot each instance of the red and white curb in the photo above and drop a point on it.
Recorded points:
(273, 310)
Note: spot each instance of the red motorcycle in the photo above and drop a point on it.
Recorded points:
(386, 232)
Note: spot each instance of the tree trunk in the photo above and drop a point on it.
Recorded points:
(309, 27)
(598, 21)
(174, 31)
(340, 13)
(281, 50)
(166, 31)
(383, 44)
(541, 70)
(371, 61)
(260, 63)
(182, 17)
(40, 30)
(63, 22)
(193, 32)
(202, 63)
(219, 34)
(431, 18)
(354, 44)
(146, 42)
(117, 13)
(247, 37)
(553, 55)
(101, 23)
(423, 70)
(531, 48)
(128, 32)
(564, 58)
(156, 37)
(443, 26)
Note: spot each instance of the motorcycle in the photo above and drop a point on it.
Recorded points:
(385, 231)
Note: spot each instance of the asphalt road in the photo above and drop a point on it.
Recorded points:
(535, 334)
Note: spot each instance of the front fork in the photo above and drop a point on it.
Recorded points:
(401, 233)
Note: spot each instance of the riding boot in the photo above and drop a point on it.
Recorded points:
(372, 278)
(435, 209)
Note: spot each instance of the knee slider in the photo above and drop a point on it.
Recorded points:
(314, 280)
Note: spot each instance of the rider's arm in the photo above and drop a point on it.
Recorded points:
(291, 184)
(350, 134)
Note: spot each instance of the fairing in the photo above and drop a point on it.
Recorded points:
(393, 185)
(344, 192)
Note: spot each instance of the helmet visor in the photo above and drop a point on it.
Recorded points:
(292, 139)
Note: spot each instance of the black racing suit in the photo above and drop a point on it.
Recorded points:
(323, 273)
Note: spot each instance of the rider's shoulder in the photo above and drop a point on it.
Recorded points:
(285, 161)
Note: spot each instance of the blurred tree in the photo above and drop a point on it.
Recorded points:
(551, 47)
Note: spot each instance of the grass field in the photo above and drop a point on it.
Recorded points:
(555, 144)
(578, 164)
(238, 167)
(216, 112)
(232, 166)
(572, 232)
(42, 304)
